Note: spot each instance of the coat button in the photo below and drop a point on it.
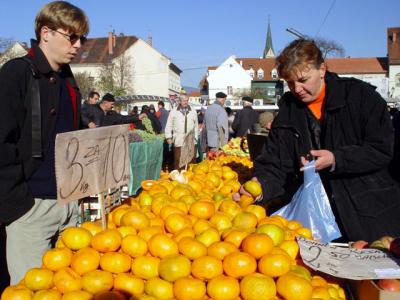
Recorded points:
(52, 79)
(52, 112)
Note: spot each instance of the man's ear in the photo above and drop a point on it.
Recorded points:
(44, 33)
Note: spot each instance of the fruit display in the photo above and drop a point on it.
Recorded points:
(236, 146)
(181, 241)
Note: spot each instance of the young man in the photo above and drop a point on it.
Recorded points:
(28, 127)
(87, 110)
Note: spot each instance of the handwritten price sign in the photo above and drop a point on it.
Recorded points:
(348, 263)
(91, 161)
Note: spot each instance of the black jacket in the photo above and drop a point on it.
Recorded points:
(356, 127)
(16, 162)
(243, 120)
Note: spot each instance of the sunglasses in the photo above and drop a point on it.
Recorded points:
(72, 38)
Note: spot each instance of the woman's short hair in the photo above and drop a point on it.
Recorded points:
(64, 15)
(296, 55)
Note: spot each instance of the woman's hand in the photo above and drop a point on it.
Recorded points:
(323, 159)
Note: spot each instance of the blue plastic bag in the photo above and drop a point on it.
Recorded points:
(310, 205)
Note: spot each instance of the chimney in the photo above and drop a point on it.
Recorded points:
(394, 37)
(110, 43)
(150, 39)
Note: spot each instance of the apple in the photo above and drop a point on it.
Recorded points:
(378, 244)
(386, 240)
(359, 244)
(395, 247)
(392, 285)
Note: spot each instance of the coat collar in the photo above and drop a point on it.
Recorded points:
(335, 96)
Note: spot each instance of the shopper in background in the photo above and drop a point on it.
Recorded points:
(87, 110)
(28, 204)
(182, 120)
(231, 118)
(245, 118)
(344, 124)
(216, 123)
(162, 114)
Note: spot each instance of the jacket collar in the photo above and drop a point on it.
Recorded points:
(335, 97)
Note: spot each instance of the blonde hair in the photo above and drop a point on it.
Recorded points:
(63, 15)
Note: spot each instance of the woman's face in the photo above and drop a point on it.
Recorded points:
(306, 82)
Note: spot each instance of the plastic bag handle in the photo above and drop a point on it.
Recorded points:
(309, 172)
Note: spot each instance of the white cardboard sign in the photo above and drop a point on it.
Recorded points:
(348, 263)
(91, 161)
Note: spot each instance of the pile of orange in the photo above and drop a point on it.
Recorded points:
(180, 241)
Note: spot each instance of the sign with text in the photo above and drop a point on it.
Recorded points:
(91, 161)
(348, 263)
(187, 149)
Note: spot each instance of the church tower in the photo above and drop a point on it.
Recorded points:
(269, 50)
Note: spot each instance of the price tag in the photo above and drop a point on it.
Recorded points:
(91, 161)
(348, 263)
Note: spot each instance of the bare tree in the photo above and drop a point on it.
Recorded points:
(116, 77)
(5, 43)
(85, 83)
(329, 47)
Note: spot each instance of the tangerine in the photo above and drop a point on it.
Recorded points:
(47, 295)
(206, 267)
(145, 267)
(221, 249)
(174, 267)
(189, 289)
(39, 279)
(274, 265)
(134, 245)
(115, 262)
(97, 281)
(67, 280)
(161, 245)
(76, 238)
(191, 248)
(292, 287)
(239, 264)
(223, 288)
(108, 240)
(136, 219)
(257, 244)
(85, 260)
(57, 258)
(128, 284)
(159, 288)
(176, 222)
(257, 286)
(202, 209)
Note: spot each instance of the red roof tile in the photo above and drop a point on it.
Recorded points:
(194, 94)
(360, 65)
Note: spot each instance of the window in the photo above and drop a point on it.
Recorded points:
(274, 73)
(260, 74)
(229, 90)
(397, 80)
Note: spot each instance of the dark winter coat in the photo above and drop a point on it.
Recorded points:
(243, 121)
(16, 162)
(356, 127)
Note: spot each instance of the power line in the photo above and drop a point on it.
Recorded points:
(326, 17)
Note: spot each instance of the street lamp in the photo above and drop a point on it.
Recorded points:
(296, 33)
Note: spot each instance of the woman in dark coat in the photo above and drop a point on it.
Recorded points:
(344, 124)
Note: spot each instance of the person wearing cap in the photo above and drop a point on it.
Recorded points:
(103, 114)
(216, 123)
(245, 118)
(87, 110)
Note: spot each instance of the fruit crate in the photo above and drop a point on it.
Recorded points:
(368, 290)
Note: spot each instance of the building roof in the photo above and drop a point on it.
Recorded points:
(393, 45)
(194, 94)
(175, 68)
(269, 49)
(359, 65)
(95, 50)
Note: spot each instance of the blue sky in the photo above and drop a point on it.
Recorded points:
(197, 34)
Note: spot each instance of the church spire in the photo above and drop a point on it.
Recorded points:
(269, 49)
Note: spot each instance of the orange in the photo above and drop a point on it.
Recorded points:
(321, 293)
(47, 295)
(148, 232)
(38, 279)
(290, 235)
(126, 230)
(134, 245)
(208, 236)
(226, 190)
(292, 287)
(177, 222)
(158, 189)
(186, 232)
(148, 184)
(305, 232)
(178, 192)
(145, 267)
(85, 260)
(223, 288)
(76, 238)
(253, 187)
(230, 207)
(128, 284)
(221, 221)
(221, 249)
(257, 244)
(117, 214)
(188, 200)
(202, 209)
(318, 281)
(245, 220)
(291, 248)
(245, 201)
(257, 210)
(161, 245)
(191, 248)
(294, 225)
(276, 233)
(93, 227)
(174, 267)
(115, 262)
(97, 281)
(274, 265)
(136, 219)
(77, 295)
(16, 292)
(235, 237)
(189, 289)
(301, 271)
(200, 225)
(157, 221)
(145, 199)
(67, 280)
(159, 289)
(107, 241)
(169, 210)
(239, 264)
(283, 220)
(57, 258)
(270, 220)
(257, 286)
(180, 204)
(159, 202)
(206, 267)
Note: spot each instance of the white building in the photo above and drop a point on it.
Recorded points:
(17, 49)
(393, 42)
(149, 71)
